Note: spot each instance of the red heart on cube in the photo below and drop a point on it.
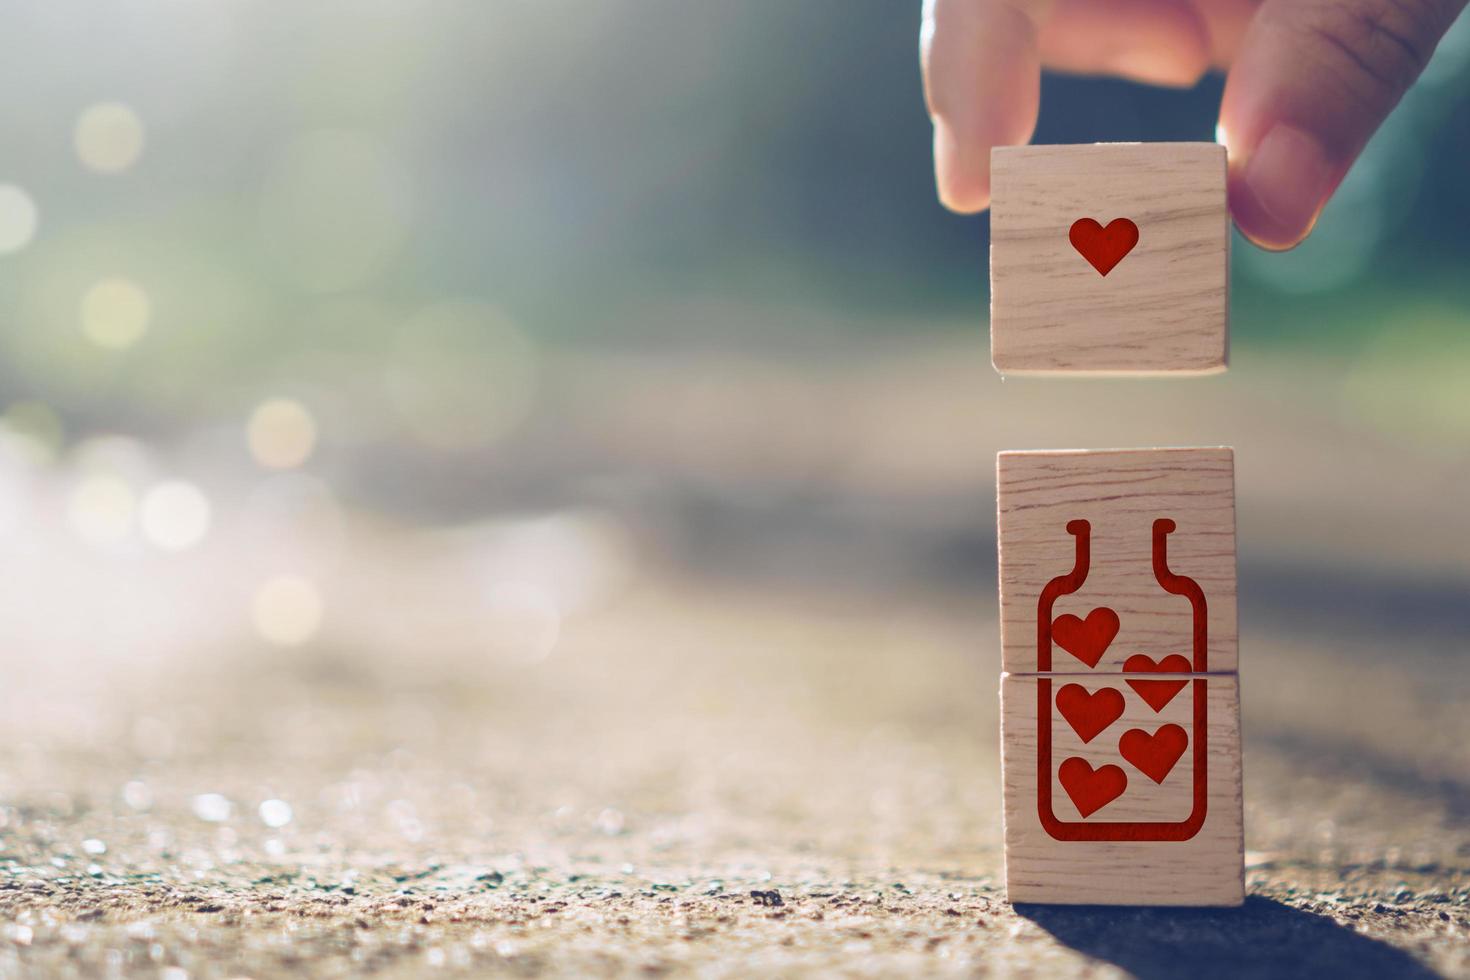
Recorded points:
(1091, 789)
(1156, 693)
(1153, 755)
(1103, 247)
(1086, 639)
(1089, 714)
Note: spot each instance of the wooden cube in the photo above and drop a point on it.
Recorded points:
(1110, 258)
(1102, 509)
(1120, 724)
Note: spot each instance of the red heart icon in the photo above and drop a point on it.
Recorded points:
(1104, 247)
(1089, 714)
(1091, 789)
(1153, 755)
(1156, 693)
(1086, 639)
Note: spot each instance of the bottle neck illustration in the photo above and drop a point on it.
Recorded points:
(1181, 585)
(1060, 586)
(1187, 587)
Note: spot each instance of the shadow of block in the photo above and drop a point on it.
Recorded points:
(1263, 938)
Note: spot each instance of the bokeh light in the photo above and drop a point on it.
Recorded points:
(212, 807)
(287, 610)
(137, 795)
(109, 137)
(101, 509)
(18, 219)
(281, 434)
(275, 813)
(174, 515)
(115, 313)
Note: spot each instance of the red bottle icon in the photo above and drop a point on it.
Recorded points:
(1150, 751)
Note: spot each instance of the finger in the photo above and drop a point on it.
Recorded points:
(1225, 22)
(982, 82)
(1160, 42)
(1312, 82)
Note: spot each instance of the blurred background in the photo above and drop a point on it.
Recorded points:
(563, 433)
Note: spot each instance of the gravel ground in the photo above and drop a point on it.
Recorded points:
(815, 793)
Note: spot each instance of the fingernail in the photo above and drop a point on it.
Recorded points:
(960, 188)
(944, 146)
(1289, 175)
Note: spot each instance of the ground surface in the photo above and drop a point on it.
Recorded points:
(736, 715)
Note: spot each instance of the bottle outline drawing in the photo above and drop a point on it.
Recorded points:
(1089, 829)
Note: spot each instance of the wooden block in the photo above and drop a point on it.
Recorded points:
(1122, 789)
(1120, 724)
(1109, 258)
(1110, 555)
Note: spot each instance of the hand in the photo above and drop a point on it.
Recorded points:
(1309, 82)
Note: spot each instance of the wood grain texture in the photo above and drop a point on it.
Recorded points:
(1162, 309)
(1120, 494)
(1207, 868)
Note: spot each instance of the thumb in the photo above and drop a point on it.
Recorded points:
(1311, 83)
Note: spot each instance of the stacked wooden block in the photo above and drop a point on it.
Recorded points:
(1120, 710)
